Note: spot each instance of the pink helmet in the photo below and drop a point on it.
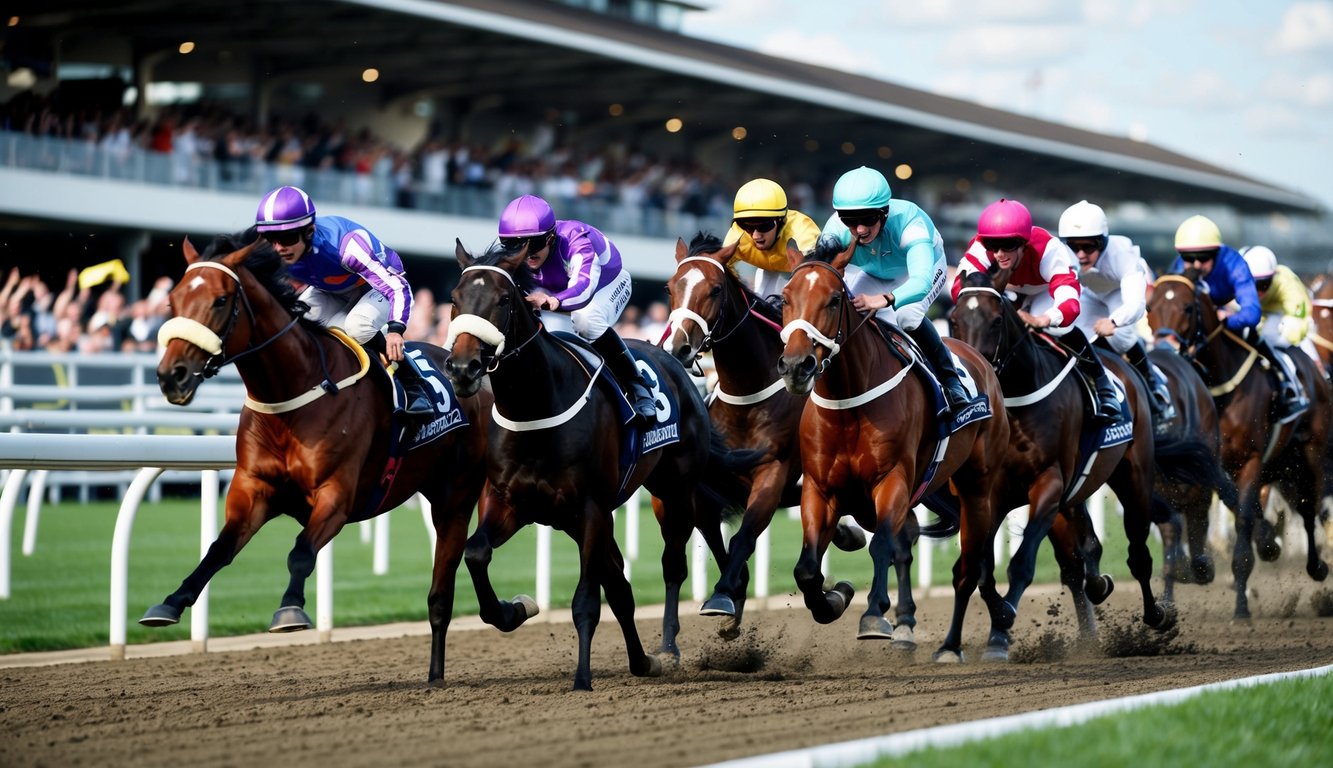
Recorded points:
(1005, 218)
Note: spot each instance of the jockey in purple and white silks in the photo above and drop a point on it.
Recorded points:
(585, 278)
(352, 280)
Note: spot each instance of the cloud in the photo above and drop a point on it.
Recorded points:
(825, 49)
(1312, 91)
(1278, 122)
(1012, 44)
(1305, 27)
(1201, 90)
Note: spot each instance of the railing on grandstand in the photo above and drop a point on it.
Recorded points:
(379, 187)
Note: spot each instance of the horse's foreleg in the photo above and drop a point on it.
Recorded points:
(1132, 483)
(728, 598)
(620, 596)
(326, 519)
(1242, 553)
(496, 523)
(976, 536)
(1067, 543)
(890, 545)
(247, 511)
(676, 529)
(451, 514)
(818, 517)
(1303, 490)
(586, 605)
(1043, 496)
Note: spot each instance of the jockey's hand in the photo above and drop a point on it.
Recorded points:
(1036, 321)
(542, 300)
(865, 302)
(1104, 327)
(1222, 315)
(393, 346)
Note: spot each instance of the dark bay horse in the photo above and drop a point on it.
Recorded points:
(314, 441)
(1256, 449)
(712, 310)
(1048, 467)
(867, 444)
(554, 455)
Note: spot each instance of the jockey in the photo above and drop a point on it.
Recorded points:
(1223, 269)
(352, 280)
(761, 226)
(898, 266)
(1041, 271)
(584, 279)
(1115, 281)
(1284, 301)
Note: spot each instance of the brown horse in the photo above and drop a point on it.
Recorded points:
(555, 451)
(1048, 466)
(1321, 299)
(712, 310)
(868, 440)
(306, 446)
(1256, 449)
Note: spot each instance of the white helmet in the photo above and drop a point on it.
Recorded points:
(1083, 219)
(1261, 260)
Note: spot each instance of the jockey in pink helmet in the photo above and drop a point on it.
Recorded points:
(353, 280)
(1041, 271)
(578, 270)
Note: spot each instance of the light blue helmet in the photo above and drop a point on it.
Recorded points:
(860, 189)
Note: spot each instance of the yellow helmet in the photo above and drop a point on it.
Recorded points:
(760, 198)
(1198, 233)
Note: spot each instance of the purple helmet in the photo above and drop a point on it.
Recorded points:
(526, 216)
(284, 208)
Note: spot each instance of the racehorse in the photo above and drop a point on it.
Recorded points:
(1191, 497)
(315, 440)
(869, 445)
(1256, 449)
(713, 310)
(555, 448)
(1053, 467)
(1321, 299)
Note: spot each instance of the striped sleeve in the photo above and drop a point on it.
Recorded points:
(357, 256)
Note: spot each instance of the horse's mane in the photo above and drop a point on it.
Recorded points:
(263, 262)
(978, 279)
(496, 253)
(826, 248)
(707, 242)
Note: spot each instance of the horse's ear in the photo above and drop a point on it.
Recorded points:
(727, 252)
(841, 261)
(460, 253)
(238, 257)
(513, 261)
(682, 250)
(187, 248)
(794, 255)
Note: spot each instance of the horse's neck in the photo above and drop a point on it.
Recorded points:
(745, 356)
(541, 380)
(272, 373)
(1031, 365)
(863, 362)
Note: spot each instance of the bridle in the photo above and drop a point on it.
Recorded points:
(685, 313)
(834, 344)
(1002, 358)
(1198, 339)
(490, 334)
(203, 337)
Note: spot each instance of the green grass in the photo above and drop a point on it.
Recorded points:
(1282, 723)
(59, 595)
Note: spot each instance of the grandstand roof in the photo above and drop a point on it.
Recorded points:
(516, 55)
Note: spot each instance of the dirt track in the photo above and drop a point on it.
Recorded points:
(507, 701)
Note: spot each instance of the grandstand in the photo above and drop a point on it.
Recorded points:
(420, 118)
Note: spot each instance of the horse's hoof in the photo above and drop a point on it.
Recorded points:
(290, 618)
(161, 615)
(840, 596)
(718, 605)
(996, 653)
(1162, 617)
(1005, 616)
(1269, 550)
(1100, 589)
(729, 628)
(1203, 570)
(946, 656)
(904, 639)
(651, 667)
(527, 605)
(1320, 571)
(849, 538)
(874, 628)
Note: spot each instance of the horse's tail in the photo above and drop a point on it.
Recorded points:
(1190, 460)
(725, 485)
(949, 511)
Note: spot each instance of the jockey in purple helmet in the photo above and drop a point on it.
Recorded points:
(353, 281)
(585, 279)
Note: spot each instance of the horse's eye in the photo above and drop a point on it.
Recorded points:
(716, 290)
(220, 302)
(505, 300)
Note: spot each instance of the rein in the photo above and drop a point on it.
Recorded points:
(1201, 340)
(1042, 392)
(203, 337)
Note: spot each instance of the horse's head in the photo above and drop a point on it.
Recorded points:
(816, 312)
(984, 319)
(1180, 311)
(490, 314)
(698, 296)
(208, 320)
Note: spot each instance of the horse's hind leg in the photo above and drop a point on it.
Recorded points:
(247, 510)
(1303, 490)
(620, 596)
(904, 613)
(676, 529)
(496, 523)
(1242, 553)
(1067, 544)
(1132, 482)
(976, 537)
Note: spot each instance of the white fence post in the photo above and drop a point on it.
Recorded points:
(544, 567)
(120, 557)
(208, 533)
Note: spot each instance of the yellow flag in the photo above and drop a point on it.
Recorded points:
(100, 273)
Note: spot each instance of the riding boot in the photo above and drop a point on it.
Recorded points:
(932, 346)
(612, 348)
(1106, 408)
(1288, 397)
(419, 403)
(1159, 402)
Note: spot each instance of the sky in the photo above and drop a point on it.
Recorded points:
(1243, 85)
